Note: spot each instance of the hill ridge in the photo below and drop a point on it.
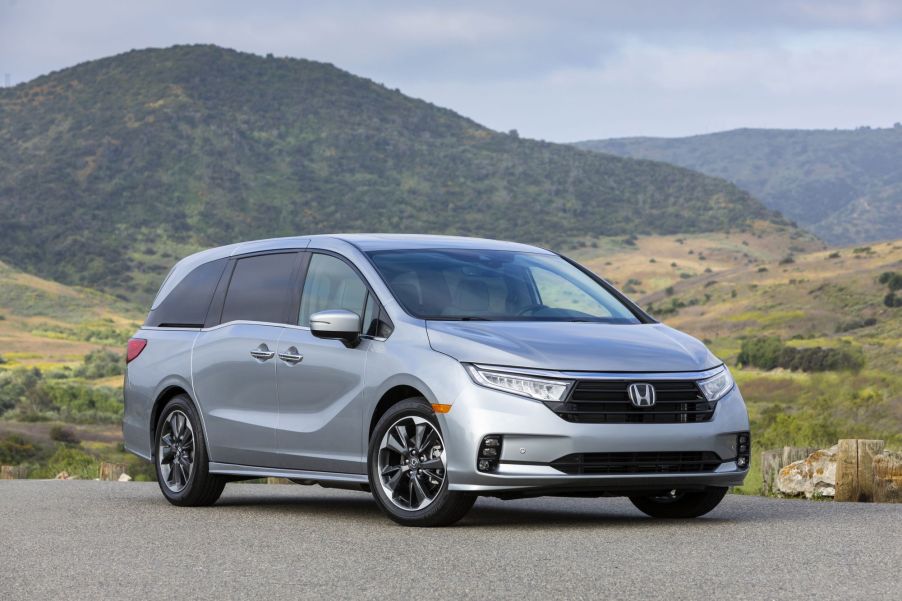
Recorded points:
(111, 169)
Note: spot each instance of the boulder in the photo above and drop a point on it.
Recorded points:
(124, 478)
(814, 476)
(62, 476)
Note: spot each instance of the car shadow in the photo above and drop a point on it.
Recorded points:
(485, 514)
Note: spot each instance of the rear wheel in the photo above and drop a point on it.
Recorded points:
(680, 504)
(407, 469)
(180, 457)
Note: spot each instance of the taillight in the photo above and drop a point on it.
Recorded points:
(135, 346)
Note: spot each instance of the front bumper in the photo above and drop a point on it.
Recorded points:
(534, 436)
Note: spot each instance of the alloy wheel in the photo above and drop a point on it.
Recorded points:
(411, 463)
(175, 454)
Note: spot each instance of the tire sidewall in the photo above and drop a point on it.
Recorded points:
(418, 407)
(200, 467)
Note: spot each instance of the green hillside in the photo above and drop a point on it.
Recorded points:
(845, 186)
(111, 169)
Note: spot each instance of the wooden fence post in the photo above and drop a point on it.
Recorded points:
(888, 478)
(770, 469)
(846, 470)
(111, 471)
(867, 449)
(13, 472)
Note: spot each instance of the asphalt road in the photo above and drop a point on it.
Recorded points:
(110, 540)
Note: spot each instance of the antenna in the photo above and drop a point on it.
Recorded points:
(7, 77)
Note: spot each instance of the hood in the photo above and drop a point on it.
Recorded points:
(568, 346)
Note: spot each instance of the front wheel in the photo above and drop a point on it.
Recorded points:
(678, 504)
(407, 469)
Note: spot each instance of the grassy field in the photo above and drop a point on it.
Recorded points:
(723, 288)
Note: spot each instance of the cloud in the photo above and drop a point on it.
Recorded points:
(556, 70)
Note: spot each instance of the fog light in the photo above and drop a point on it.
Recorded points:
(489, 453)
(743, 450)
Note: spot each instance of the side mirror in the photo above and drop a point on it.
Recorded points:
(337, 324)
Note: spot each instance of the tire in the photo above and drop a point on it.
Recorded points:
(194, 485)
(423, 499)
(680, 505)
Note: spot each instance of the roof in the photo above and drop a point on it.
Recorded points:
(365, 242)
(368, 242)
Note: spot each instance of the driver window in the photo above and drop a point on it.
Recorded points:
(331, 284)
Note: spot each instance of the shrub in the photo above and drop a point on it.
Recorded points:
(770, 352)
(64, 435)
(891, 300)
(892, 279)
(16, 449)
(71, 459)
(855, 324)
(101, 363)
(787, 260)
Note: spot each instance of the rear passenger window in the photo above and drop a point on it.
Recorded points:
(260, 289)
(186, 305)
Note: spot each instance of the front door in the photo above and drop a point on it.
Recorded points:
(320, 382)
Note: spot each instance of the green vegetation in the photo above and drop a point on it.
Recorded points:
(30, 395)
(843, 185)
(178, 149)
(770, 352)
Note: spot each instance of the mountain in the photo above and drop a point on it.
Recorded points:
(111, 169)
(843, 185)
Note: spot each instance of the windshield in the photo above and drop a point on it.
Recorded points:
(495, 285)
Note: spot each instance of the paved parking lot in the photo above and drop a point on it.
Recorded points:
(93, 540)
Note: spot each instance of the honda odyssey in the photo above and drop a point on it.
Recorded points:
(427, 370)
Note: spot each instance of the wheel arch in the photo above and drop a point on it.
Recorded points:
(168, 393)
(391, 397)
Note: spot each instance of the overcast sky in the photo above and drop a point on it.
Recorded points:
(557, 70)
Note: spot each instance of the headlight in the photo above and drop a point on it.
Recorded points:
(534, 388)
(716, 386)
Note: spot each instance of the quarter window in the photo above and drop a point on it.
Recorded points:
(260, 289)
(186, 305)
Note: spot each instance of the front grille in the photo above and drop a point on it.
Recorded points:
(638, 463)
(607, 402)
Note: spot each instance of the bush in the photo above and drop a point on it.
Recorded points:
(71, 459)
(855, 324)
(101, 364)
(892, 279)
(770, 352)
(63, 435)
(16, 449)
(891, 300)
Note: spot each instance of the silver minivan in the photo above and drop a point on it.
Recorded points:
(427, 370)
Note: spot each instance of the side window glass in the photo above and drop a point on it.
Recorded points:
(260, 289)
(331, 284)
(187, 304)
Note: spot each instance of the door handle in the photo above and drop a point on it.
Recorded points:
(262, 353)
(291, 355)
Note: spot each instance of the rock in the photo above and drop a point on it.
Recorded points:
(814, 476)
(62, 476)
(124, 478)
